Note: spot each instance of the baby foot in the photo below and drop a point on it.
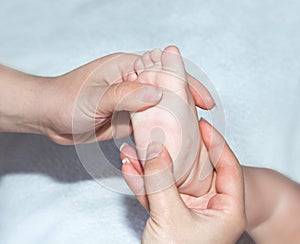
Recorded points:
(164, 69)
(173, 122)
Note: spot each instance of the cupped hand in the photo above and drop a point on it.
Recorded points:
(79, 106)
(216, 217)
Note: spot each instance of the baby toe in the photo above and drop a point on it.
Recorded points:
(156, 55)
(132, 76)
(172, 61)
(147, 60)
(139, 66)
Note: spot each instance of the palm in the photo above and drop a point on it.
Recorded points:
(199, 204)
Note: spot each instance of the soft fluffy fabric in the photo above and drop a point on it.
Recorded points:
(249, 49)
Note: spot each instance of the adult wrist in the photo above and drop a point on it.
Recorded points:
(20, 102)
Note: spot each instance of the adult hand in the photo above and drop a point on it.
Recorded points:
(80, 104)
(217, 217)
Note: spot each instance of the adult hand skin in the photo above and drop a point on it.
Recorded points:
(80, 103)
(217, 217)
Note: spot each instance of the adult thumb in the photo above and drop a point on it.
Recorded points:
(129, 96)
(160, 185)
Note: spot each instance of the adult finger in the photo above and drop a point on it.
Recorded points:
(163, 195)
(133, 173)
(130, 153)
(229, 180)
(129, 96)
(201, 95)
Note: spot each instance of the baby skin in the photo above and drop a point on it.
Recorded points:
(271, 199)
(173, 121)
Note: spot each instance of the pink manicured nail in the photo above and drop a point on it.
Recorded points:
(212, 101)
(123, 145)
(125, 161)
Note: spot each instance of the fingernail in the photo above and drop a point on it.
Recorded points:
(153, 151)
(214, 103)
(210, 100)
(123, 145)
(125, 161)
(150, 94)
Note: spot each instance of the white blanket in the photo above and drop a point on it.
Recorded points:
(249, 49)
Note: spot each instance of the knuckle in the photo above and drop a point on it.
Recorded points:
(153, 167)
(118, 90)
(122, 90)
